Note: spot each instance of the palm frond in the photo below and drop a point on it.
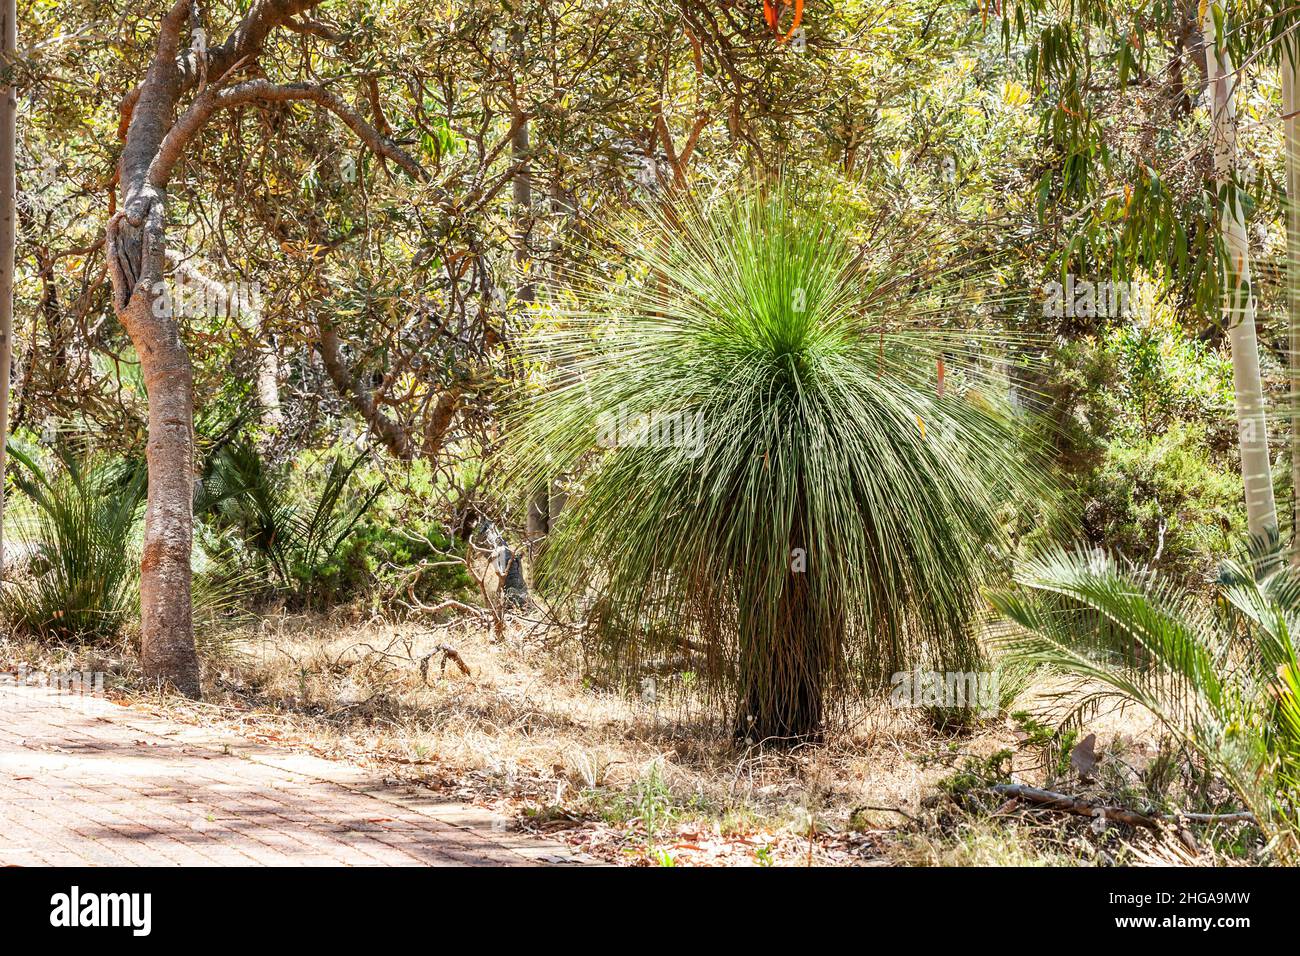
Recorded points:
(1224, 685)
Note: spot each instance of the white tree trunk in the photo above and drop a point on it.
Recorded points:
(8, 219)
(1290, 70)
(1239, 299)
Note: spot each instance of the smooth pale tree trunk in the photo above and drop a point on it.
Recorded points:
(562, 211)
(8, 219)
(268, 389)
(1290, 70)
(1239, 299)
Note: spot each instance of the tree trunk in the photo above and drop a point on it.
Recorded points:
(167, 651)
(8, 215)
(1239, 299)
(783, 669)
(1290, 69)
(268, 389)
(786, 655)
(136, 252)
(521, 190)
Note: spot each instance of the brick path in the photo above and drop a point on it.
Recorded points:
(84, 781)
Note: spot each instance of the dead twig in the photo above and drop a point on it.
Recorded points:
(448, 653)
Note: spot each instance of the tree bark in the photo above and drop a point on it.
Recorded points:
(8, 219)
(135, 238)
(1239, 298)
(136, 252)
(1290, 70)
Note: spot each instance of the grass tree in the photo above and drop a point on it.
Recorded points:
(1223, 679)
(777, 484)
(76, 582)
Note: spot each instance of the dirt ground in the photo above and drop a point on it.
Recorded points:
(655, 779)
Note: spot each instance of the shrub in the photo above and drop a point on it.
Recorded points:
(391, 561)
(297, 537)
(1142, 437)
(79, 582)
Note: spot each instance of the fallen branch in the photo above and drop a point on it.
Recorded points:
(419, 605)
(1086, 808)
(448, 654)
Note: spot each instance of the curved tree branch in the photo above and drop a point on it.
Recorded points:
(207, 103)
(392, 434)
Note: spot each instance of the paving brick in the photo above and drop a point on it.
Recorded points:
(83, 782)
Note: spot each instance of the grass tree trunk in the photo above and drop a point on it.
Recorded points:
(786, 653)
(1290, 69)
(1239, 299)
(783, 670)
(8, 220)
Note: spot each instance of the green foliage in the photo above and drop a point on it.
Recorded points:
(394, 559)
(978, 773)
(787, 486)
(1163, 497)
(1224, 680)
(1145, 440)
(297, 536)
(1012, 678)
(79, 579)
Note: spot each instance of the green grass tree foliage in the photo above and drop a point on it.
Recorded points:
(77, 581)
(771, 475)
(1222, 677)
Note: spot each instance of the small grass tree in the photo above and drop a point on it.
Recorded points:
(774, 484)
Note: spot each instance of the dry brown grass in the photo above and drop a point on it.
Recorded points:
(636, 780)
